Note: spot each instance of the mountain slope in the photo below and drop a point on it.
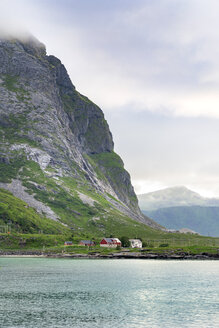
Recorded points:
(175, 196)
(204, 220)
(18, 216)
(56, 149)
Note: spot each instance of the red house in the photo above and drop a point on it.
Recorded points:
(110, 242)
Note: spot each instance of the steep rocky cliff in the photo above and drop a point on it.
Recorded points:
(56, 149)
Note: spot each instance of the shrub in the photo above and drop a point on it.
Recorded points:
(163, 245)
(125, 241)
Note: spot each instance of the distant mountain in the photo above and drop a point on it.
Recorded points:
(178, 207)
(172, 197)
(202, 219)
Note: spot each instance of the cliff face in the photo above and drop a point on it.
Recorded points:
(56, 147)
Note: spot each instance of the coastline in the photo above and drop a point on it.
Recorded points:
(121, 255)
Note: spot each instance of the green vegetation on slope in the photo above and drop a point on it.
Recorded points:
(11, 82)
(108, 160)
(24, 219)
(10, 170)
(112, 167)
(86, 221)
(98, 220)
(14, 129)
(16, 241)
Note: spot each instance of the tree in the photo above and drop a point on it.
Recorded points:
(125, 241)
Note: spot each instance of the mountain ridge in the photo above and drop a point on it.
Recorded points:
(201, 219)
(174, 196)
(179, 207)
(56, 148)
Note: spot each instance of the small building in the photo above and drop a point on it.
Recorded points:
(68, 243)
(110, 242)
(87, 243)
(135, 243)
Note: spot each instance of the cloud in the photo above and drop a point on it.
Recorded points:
(155, 56)
(161, 151)
(152, 54)
(152, 66)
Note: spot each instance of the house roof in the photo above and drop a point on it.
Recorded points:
(135, 240)
(108, 240)
(111, 240)
(116, 239)
(87, 241)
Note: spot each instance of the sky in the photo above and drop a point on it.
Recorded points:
(153, 68)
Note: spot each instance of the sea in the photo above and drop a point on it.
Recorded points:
(55, 293)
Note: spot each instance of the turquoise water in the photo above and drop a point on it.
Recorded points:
(108, 293)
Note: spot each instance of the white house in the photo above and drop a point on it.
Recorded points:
(135, 243)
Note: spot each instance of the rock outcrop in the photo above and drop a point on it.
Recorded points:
(55, 141)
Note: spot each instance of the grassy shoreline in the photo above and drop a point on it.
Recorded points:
(53, 246)
(194, 252)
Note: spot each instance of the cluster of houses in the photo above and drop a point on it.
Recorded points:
(108, 242)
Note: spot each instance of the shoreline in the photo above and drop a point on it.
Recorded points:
(122, 255)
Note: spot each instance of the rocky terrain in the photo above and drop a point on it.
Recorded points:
(56, 149)
(146, 255)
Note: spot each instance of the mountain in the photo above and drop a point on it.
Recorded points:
(203, 220)
(56, 149)
(178, 207)
(175, 196)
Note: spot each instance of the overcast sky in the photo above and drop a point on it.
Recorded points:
(153, 68)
